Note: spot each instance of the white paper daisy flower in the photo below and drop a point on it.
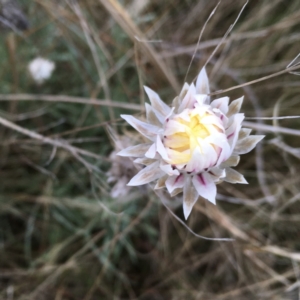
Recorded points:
(192, 145)
(41, 69)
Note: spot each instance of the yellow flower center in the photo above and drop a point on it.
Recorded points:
(183, 143)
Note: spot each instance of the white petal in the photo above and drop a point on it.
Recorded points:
(175, 103)
(153, 117)
(221, 104)
(174, 127)
(202, 83)
(167, 168)
(174, 182)
(233, 176)
(201, 99)
(247, 144)
(235, 106)
(146, 175)
(216, 173)
(178, 100)
(190, 196)
(225, 153)
(147, 130)
(205, 187)
(135, 151)
(170, 113)
(156, 102)
(160, 148)
(189, 99)
(232, 132)
(212, 121)
(217, 138)
(232, 161)
(210, 155)
(184, 90)
(198, 161)
(244, 132)
(144, 161)
(177, 157)
(184, 115)
(161, 182)
(151, 151)
(176, 192)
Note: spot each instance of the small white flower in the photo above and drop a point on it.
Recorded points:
(193, 145)
(41, 69)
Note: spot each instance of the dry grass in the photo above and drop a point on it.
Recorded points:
(62, 235)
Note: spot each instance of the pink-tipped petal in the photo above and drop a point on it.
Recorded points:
(190, 196)
(205, 187)
(147, 130)
(156, 102)
(174, 182)
(146, 175)
(202, 83)
(167, 168)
